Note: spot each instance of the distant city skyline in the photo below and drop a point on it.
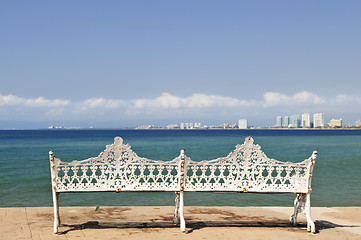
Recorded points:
(293, 122)
(125, 64)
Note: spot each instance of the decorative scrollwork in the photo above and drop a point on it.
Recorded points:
(247, 168)
(118, 168)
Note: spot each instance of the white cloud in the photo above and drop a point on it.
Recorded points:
(9, 100)
(43, 102)
(166, 100)
(102, 103)
(94, 102)
(97, 104)
(12, 100)
(275, 99)
(168, 106)
(197, 100)
(343, 99)
(307, 97)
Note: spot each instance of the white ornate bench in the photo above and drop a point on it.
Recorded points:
(246, 169)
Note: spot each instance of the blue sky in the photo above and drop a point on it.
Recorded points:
(127, 63)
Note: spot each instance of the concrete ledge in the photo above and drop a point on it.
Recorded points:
(155, 222)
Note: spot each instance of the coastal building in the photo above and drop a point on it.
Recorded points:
(306, 122)
(286, 121)
(172, 126)
(295, 121)
(146, 127)
(279, 121)
(336, 123)
(358, 123)
(228, 126)
(190, 125)
(242, 124)
(318, 120)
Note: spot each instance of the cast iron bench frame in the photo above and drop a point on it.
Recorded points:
(246, 169)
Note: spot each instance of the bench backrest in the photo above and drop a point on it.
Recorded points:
(118, 168)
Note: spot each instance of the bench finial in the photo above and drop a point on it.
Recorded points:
(118, 141)
(314, 155)
(249, 140)
(51, 155)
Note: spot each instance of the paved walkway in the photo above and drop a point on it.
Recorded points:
(156, 223)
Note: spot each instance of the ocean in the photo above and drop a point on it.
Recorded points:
(25, 172)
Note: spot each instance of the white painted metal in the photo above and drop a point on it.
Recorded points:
(175, 218)
(181, 193)
(302, 201)
(246, 169)
(54, 192)
(117, 168)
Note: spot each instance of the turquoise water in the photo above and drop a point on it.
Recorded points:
(25, 174)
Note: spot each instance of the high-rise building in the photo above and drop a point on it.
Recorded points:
(318, 120)
(279, 121)
(172, 126)
(286, 121)
(295, 121)
(336, 123)
(306, 122)
(182, 126)
(358, 123)
(242, 124)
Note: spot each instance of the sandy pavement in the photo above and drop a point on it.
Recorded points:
(155, 222)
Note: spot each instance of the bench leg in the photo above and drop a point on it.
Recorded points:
(56, 211)
(181, 212)
(175, 218)
(303, 204)
(310, 224)
(298, 205)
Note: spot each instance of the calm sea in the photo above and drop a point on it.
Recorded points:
(25, 174)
